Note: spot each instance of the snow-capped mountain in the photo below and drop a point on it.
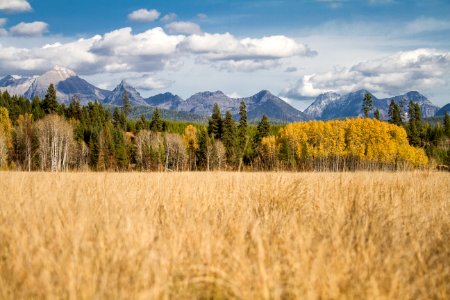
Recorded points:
(116, 96)
(334, 106)
(16, 85)
(315, 110)
(67, 85)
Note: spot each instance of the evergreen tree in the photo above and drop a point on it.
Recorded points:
(447, 124)
(74, 110)
(242, 133)
(376, 114)
(36, 108)
(262, 130)
(203, 151)
(229, 137)
(156, 124)
(367, 105)
(395, 116)
(243, 126)
(215, 123)
(50, 104)
(141, 124)
(415, 123)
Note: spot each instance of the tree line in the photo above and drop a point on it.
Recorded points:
(43, 134)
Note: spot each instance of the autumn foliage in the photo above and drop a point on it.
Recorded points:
(342, 144)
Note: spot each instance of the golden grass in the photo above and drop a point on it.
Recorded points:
(225, 235)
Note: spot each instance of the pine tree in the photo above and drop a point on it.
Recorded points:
(415, 123)
(215, 123)
(229, 137)
(376, 114)
(367, 104)
(447, 124)
(50, 104)
(204, 149)
(156, 124)
(395, 116)
(262, 130)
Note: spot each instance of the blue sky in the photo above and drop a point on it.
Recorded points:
(295, 48)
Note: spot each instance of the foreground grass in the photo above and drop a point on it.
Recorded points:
(225, 235)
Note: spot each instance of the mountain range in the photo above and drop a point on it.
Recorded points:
(334, 106)
(326, 106)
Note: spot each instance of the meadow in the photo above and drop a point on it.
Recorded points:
(218, 235)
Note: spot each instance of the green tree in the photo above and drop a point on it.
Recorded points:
(50, 104)
(414, 124)
(376, 114)
(367, 105)
(262, 130)
(215, 123)
(242, 133)
(203, 152)
(229, 138)
(447, 124)
(395, 116)
(156, 124)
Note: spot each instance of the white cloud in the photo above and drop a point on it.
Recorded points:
(147, 82)
(29, 29)
(226, 46)
(202, 16)
(121, 51)
(3, 21)
(3, 32)
(422, 24)
(419, 69)
(169, 18)
(14, 5)
(184, 27)
(144, 15)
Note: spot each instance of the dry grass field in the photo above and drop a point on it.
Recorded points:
(225, 235)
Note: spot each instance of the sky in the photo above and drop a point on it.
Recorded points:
(297, 49)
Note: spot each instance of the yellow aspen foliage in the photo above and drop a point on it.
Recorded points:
(5, 136)
(368, 140)
(190, 138)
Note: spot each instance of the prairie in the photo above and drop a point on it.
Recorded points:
(361, 235)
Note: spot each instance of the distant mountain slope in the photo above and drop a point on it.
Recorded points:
(16, 85)
(66, 82)
(265, 103)
(164, 101)
(445, 108)
(147, 112)
(81, 89)
(334, 106)
(116, 96)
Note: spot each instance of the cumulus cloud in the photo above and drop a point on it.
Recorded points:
(14, 5)
(417, 69)
(3, 21)
(184, 27)
(123, 51)
(248, 54)
(169, 18)
(144, 15)
(148, 82)
(29, 29)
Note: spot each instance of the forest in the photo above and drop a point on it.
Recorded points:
(45, 135)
